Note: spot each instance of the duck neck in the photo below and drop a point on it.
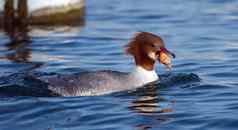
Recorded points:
(143, 76)
(144, 61)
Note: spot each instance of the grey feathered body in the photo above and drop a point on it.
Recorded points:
(88, 83)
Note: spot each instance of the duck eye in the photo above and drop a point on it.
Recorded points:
(152, 45)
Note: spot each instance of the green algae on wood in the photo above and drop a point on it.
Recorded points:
(72, 13)
(35, 12)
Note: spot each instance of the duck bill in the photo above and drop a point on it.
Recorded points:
(165, 58)
(169, 53)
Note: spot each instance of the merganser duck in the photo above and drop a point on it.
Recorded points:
(146, 48)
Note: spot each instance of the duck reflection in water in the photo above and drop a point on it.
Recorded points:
(16, 28)
(148, 105)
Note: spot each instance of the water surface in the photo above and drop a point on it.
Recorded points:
(202, 33)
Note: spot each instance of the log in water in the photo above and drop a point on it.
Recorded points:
(47, 12)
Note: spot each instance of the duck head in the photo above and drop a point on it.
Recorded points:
(147, 48)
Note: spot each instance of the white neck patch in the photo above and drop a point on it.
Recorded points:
(152, 55)
(142, 76)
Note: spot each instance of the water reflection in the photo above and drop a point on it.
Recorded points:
(148, 105)
(16, 28)
(22, 52)
(17, 25)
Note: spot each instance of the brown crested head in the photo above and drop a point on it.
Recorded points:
(146, 48)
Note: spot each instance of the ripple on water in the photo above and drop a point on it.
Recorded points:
(199, 94)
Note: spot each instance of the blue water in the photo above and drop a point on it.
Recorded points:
(201, 92)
